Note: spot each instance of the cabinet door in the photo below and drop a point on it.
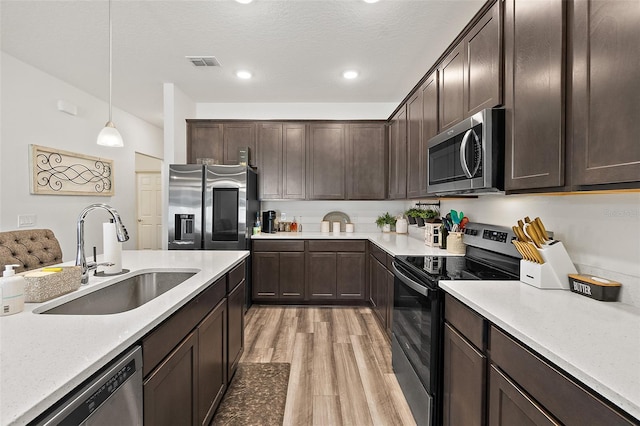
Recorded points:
(266, 275)
(326, 160)
(483, 63)
(294, 161)
(204, 140)
(534, 94)
(291, 276)
(429, 125)
(389, 301)
(451, 74)
(170, 391)
(270, 161)
(378, 283)
(212, 362)
(235, 328)
(606, 84)
(373, 282)
(350, 275)
(398, 155)
(464, 381)
(321, 275)
(237, 135)
(414, 142)
(367, 160)
(509, 405)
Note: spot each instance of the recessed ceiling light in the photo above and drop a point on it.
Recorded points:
(243, 74)
(249, 1)
(366, 1)
(350, 74)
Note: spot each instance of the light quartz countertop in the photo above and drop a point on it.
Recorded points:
(392, 243)
(596, 342)
(43, 357)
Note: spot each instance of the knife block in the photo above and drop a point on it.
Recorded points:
(553, 273)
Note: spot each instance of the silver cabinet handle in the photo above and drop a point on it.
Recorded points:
(463, 153)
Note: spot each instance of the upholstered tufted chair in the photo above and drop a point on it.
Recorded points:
(30, 248)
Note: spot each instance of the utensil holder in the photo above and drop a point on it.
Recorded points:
(552, 274)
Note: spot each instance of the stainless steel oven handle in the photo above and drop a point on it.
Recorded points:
(412, 284)
(463, 152)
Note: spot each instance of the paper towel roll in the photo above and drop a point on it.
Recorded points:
(324, 226)
(112, 249)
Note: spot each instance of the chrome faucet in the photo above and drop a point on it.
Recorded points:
(121, 233)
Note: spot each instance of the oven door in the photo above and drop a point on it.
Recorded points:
(416, 343)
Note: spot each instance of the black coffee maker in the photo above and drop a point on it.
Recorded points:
(269, 221)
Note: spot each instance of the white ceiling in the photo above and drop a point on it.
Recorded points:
(296, 49)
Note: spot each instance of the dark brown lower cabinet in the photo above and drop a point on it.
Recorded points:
(171, 389)
(464, 381)
(381, 292)
(508, 405)
(235, 327)
(350, 275)
(523, 388)
(278, 271)
(321, 275)
(212, 362)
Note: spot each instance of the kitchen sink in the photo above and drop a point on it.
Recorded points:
(124, 295)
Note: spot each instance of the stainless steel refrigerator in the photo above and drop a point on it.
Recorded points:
(212, 208)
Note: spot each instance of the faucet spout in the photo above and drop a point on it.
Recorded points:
(121, 234)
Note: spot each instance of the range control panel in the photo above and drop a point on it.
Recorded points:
(490, 237)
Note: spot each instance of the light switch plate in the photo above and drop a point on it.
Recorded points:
(27, 220)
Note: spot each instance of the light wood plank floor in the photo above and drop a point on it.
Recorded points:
(340, 364)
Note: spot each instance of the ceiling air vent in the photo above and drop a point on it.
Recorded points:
(204, 61)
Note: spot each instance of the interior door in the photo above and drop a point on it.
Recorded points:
(149, 200)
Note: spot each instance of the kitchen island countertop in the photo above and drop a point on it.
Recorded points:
(596, 342)
(43, 357)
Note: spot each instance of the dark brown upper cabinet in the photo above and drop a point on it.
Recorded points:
(398, 155)
(422, 125)
(238, 135)
(326, 160)
(281, 163)
(367, 161)
(220, 141)
(605, 105)
(534, 40)
(471, 74)
(204, 140)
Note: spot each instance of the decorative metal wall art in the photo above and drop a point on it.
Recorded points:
(57, 172)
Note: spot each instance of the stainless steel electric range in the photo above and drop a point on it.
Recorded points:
(417, 324)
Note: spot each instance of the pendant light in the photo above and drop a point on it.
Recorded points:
(110, 136)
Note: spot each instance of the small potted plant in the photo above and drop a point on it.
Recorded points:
(412, 214)
(431, 216)
(385, 222)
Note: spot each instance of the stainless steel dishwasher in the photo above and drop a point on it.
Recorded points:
(112, 397)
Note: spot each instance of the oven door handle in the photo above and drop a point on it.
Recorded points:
(410, 283)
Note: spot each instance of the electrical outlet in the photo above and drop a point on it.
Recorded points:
(27, 220)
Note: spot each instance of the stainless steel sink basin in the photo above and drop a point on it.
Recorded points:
(122, 296)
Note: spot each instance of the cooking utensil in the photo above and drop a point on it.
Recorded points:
(533, 235)
(519, 234)
(541, 227)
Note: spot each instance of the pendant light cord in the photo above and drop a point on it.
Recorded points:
(110, 62)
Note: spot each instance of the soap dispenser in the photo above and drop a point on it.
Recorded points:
(11, 291)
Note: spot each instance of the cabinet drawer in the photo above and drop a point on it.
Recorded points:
(565, 399)
(157, 345)
(272, 245)
(336, 245)
(235, 276)
(378, 253)
(466, 321)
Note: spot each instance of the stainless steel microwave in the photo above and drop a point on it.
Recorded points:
(468, 158)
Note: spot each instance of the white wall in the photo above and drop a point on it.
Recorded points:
(296, 111)
(177, 108)
(601, 232)
(362, 213)
(29, 116)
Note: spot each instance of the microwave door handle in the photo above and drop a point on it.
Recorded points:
(410, 283)
(463, 153)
